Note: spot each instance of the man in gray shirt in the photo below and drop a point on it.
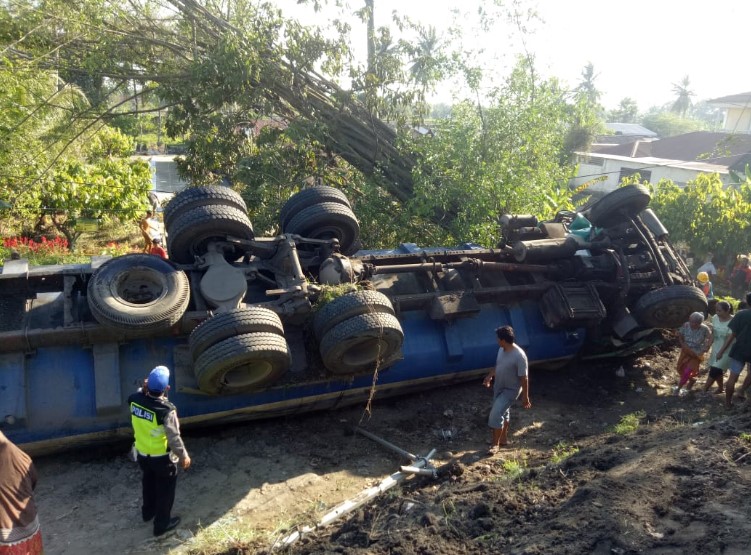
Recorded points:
(509, 378)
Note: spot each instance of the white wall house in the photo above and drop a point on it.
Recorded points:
(679, 159)
(737, 109)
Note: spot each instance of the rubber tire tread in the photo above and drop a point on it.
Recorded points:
(349, 334)
(112, 311)
(311, 221)
(349, 305)
(307, 197)
(217, 360)
(193, 197)
(682, 300)
(201, 223)
(619, 205)
(235, 322)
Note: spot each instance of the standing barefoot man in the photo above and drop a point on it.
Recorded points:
(509, 378)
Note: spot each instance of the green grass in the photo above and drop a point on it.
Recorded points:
(628, 424)
(514, 468)
(744, 437)
(563, 451)
(224, 536)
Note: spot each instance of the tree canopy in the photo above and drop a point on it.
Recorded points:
(261, 103)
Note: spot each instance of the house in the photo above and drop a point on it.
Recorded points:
(737, 112)
(680, 159)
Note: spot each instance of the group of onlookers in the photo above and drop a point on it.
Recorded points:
(738, 279)
(727, 338)
(728, 342)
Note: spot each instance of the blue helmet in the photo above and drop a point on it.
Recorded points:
(158, 379)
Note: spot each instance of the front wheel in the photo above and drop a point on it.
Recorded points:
(669, 307)
(619, 205)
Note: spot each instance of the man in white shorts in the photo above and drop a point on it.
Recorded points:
(510, 378)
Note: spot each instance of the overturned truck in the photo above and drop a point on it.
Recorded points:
(241, 322)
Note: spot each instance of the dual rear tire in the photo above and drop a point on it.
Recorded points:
(358, 333)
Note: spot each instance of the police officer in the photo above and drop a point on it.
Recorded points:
(159, 447)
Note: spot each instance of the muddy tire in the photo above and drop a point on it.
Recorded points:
(327, 220)
(194, 197)
(619, 205)
(242, 363)
(235, 322)
(190, 233)
(138, 293)
(345, 307)
(669, 307)
(362, 343)
(308, 197)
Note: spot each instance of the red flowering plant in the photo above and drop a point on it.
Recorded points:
(44, 251)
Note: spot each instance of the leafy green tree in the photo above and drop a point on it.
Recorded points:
(503, 156)
(222, 74)
(627, 111)
(706, 215)
(670, 124)
(110, 188)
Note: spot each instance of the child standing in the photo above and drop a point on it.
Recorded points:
(720, 332)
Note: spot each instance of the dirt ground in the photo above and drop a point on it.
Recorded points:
(567, 483)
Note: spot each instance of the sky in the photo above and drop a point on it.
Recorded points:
(639, 48)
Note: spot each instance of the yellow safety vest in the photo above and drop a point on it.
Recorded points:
(147, 417)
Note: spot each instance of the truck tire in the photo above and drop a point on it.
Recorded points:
(235, 322)
(619, 205)
(327, 220)
(361, 343)
(242, 363)
(201, 196)
(138, 292)
(190, 233)
(669, 307)
(308, 197)
(349, 305)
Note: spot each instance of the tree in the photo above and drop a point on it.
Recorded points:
(225, 76)
(627, 111)
(586, 87)
(682, 103)
(706, 215)
(503, 156)
(108, 188)
(669, 124)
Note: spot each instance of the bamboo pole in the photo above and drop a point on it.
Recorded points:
(359, 500)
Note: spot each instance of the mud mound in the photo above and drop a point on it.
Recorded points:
(669, 488)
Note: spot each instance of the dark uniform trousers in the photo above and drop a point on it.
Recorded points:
(159, 478)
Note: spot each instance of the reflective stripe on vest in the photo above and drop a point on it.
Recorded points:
(151, 438)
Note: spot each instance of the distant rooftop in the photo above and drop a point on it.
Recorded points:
(742, 100)
(704, 147)
(630, 129)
